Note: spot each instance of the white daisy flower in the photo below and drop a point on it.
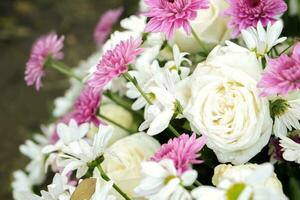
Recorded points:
(261, 41)
(291, 149)
(165, 106)
(67, 134)
(58, 190)
(36, 166)
(80, 154)
(21, 184)
(103, 188)
(161, 181)
(286, 115)
(146, 77)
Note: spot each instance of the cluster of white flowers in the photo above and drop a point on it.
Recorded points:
(202, 83)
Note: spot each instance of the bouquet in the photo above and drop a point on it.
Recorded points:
(189, 100)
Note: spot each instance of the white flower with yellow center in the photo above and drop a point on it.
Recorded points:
(261, 41)
(161, 181)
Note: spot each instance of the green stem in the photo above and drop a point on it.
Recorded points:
(197, 183)
(62, 68)
(135, 83)
(121, 102)
(202, 45)
(173, 130)
(106, 178)
(115, 123)
(286, 49)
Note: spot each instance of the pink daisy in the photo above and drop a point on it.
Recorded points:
(86, 106)
(105, 25)
(247, 13)
(169, 15)
(183, 150)
(282, 75)
(115, 62)
(45, 46)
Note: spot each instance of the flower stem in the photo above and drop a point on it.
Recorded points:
(62, 68)
(122, 102)
(282, 52)
(115, 123)
(173, 130)
(202, 45)
(106, 178)
(197, 183)
(135, 83)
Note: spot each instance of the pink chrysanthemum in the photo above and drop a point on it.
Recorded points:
(105, 25)
(45, 46)
(282, 75)
(247, 13)
(86, 107)
(183, 150)
(169, 15)
(115, 62)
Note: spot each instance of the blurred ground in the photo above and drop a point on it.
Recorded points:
(22, 109)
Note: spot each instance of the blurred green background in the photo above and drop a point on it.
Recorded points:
(22, 109)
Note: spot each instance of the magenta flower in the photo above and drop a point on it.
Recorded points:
(169, 15)
(115, 62)
(86, 106)
(183, 150)
(45, 46)
(282, 75)
(105, 25)
(247, 13)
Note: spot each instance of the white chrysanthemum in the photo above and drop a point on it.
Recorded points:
(21, 184)
(36, 166)
(80, 154)
(286, 114)
(152, 75)
(58, 190)
(67, 134)
(165, 106)
(291, 149)
(161, 181)
(103, 188)
(146, 77)
(261, 41)
(243, 182)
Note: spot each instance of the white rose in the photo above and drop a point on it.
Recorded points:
(122, 162)
(239, 174)
(225, 105)
(209, 25)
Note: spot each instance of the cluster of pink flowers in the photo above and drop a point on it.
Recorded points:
(183, 151)
(115, 62)
(169, 15)
(247, 13)
(282, 74)
(45, 46)
(86, 106)
(105, 25)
